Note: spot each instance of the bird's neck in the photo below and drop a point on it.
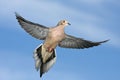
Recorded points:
(60, 26)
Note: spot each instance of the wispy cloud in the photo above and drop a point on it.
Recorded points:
(96, 33)
(15, 66)
(18, 67)
(85, 22)
(7, 74)
(39, 9)
(95, 2)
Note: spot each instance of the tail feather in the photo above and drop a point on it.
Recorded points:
(37, 64)
(43, 60)
(37, 59)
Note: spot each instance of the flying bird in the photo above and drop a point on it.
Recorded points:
(45, 54)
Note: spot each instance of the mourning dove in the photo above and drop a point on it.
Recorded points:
(45, 54)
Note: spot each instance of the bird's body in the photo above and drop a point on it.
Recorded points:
(55, 35)
(45, 54)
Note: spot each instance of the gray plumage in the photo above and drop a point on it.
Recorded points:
(36, 30)
(78, 43)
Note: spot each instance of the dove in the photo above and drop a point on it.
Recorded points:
(45, 54)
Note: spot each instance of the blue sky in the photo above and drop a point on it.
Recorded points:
(94, 20)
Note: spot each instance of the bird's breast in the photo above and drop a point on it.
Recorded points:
(53, 38)
(57, 34)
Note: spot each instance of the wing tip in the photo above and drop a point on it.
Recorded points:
(105, 41)
(17, 15)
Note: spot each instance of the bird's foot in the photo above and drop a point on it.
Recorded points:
(49, 49)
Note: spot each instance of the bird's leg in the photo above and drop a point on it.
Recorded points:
(49, 49)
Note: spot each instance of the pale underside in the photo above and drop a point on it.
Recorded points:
(55, 35)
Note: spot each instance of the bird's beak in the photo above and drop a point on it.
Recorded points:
(69, 24)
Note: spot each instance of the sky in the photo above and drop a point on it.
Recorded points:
(94, 20)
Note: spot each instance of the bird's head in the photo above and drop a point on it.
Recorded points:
(63, 22)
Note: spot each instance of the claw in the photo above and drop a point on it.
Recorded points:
(49, 49)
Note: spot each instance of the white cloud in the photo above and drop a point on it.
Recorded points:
(54, 9)
(16, 66)
(91, 1)
(51, 12)
(95, 2)
(7, 74)
(66, 75)
(13, 74)
(99, 34)
(14, 71)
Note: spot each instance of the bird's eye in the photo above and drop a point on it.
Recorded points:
(63, 21)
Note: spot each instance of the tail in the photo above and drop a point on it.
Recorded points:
(37, 57)
(43, 60)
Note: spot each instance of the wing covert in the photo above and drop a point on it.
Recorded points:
(36, 30)
(78, 43)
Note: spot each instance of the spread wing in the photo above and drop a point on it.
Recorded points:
(79, 43)
(36, 30)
